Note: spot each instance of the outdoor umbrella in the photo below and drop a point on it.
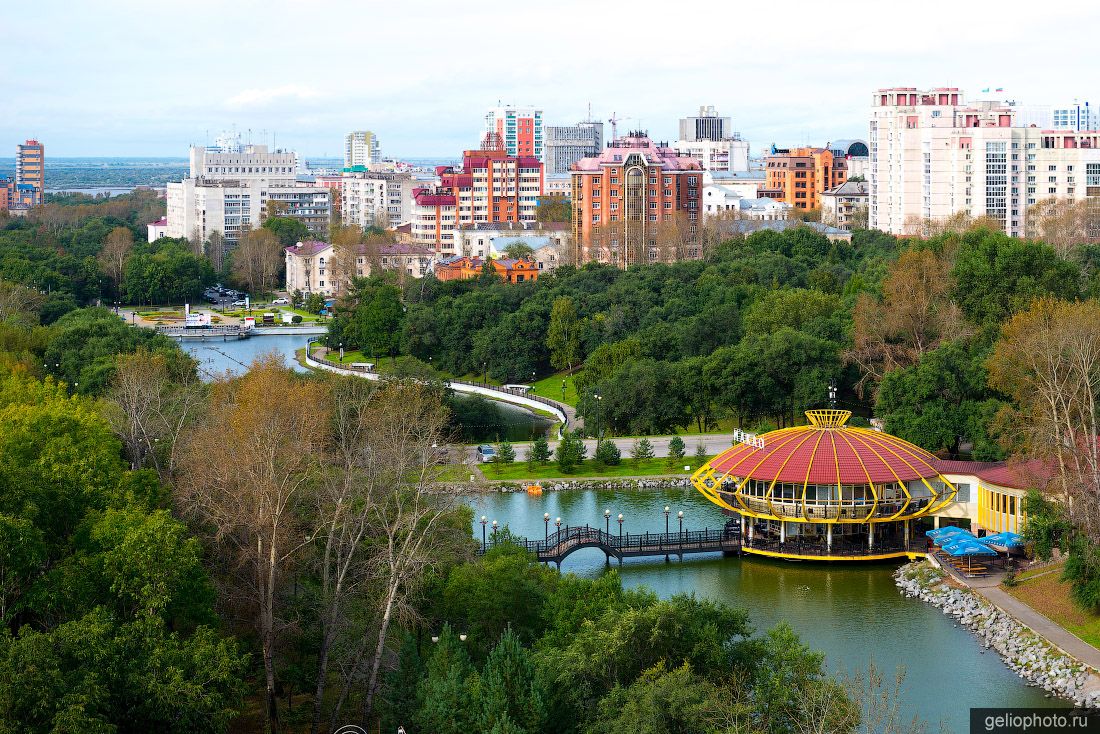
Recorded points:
(1003, 540)
(946, 535)
(968, 548)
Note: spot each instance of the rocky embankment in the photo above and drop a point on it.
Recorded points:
(562, 485)
(1030, 656)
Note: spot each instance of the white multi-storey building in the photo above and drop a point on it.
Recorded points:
(377, 198)
(361, 148)
(709, 139)
(231, 189)
(1076, 117)
(933, 156)
(310, 266)
(567, 144)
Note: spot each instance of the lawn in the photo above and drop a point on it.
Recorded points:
(307, 317)
(550, 387)
(1049, 595)
(628, 468)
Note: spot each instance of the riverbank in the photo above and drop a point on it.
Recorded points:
(1025, 652)
(567, 485)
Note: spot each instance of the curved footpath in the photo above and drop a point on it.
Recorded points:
(1039, 651)
(565, 414)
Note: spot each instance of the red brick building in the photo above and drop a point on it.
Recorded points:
(623, 197)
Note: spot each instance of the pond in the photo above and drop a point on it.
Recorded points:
(217, 357)
(852, 613)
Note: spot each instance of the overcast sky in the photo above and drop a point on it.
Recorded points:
(118, 78)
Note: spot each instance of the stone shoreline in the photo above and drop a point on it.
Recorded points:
(1024, 652)
(564, 485)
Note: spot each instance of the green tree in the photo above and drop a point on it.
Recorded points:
(314, 303)
(510, 695)
(375, 326)
(676, 451)
(506, 454)
(660, 701)
(564, 334)
(997, 275)
(641, 450)
(518, 250)
(446, 695)
(554, 209)
(607, 453)
(289, 230)
(541, 449)
(701, 454)
(570, 451)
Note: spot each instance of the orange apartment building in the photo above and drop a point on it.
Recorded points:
(622, 196)
(491, 186)
(800, 176)
(465, 268)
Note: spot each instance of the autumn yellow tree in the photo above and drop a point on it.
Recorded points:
(1064, 223)
(246, 468)
(914, 315)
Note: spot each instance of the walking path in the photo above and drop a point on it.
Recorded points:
(1056, 635)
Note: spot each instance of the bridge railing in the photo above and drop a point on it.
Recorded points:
(560, 541)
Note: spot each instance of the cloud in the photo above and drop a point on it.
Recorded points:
(260, 97)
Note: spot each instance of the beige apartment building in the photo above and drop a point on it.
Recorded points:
(933, 155)
(310, 266)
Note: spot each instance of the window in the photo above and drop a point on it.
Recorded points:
(596, 218)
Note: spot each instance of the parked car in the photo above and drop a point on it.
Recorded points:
(281, 301)
(486, 453)
(241, 302)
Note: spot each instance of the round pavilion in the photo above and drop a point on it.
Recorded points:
(826, 491)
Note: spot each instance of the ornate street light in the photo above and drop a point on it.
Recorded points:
(607, 521)
(494, 532)
(546, 523)
(620, 526)
(484, 521)
(680, 517)
(666, 519)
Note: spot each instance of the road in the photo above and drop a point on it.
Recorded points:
(713, 442)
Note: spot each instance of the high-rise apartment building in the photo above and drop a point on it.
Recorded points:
(490, 186)
(1076, 116)
(800, 176)
(376, 198)
(232, 190)
(623, 196)
(707, 126)
(30, 175)
(519, 128)
(710, 139)
(566, 144)
(361, 148)
(933, 155)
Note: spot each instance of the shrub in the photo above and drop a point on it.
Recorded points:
(608, 454)
(296, 319)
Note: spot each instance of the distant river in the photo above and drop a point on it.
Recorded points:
(94, 190)
(851, 612)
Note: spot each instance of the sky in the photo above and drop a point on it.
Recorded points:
(123, 78)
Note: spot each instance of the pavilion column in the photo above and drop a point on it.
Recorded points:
(750, 532)
(936, 522)
(829, 536)
(870, 536)
(742, 526)
(906, 535)
(782, 531)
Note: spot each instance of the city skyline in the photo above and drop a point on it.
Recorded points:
(92, 83)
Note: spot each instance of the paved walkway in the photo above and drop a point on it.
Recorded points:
(1055, 634)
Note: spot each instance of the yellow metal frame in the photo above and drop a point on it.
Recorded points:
(831, 423)
(911, 555)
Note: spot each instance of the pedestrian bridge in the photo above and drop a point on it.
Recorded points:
(557, 546)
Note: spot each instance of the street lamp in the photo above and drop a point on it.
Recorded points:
(680, 517)
(607, 521)
(666, 519)
(620, 526)
(546, 523)
(483, 522)
(494, 532)
(341, 352)
(557, 524)
(599, 401)
(484, 373)
(563, 391)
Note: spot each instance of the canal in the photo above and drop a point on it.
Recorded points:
(852, 613)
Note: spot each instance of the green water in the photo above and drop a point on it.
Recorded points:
(851, 613)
